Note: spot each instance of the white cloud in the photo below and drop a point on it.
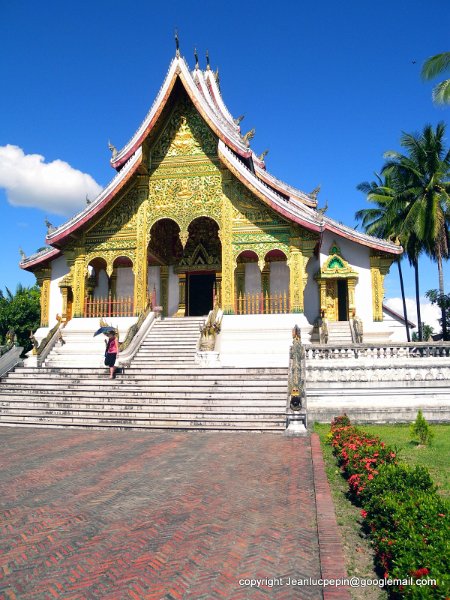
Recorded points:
(55, 187)
(429, 313)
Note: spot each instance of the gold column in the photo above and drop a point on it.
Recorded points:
(296, 283)
(219, 288)
(140, 267)
(43, 278)
(79, 282)
(164, 288)
(379, 267)
(181, 312)
(228, 262)
(323, 296)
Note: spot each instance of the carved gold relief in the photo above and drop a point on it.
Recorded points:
(379, 267)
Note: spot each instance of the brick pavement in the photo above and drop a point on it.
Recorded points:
(160, 515)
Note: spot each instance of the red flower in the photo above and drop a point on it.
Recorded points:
(364, 514)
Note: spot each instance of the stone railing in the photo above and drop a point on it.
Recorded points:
(10, 358)
(378, 351)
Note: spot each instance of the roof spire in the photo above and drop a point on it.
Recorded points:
(263, 155)
(208, 68)
(177, 44)
(196, 58)
(239, 119)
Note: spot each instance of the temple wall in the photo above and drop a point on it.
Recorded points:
(252, 278)
(174, 292)
(358, 257)
(153, 281)
(59, 270)
(101, 289)
(279, 277)
(311, 293)
(125, 283)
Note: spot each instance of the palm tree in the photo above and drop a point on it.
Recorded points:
(435, 65)
(383, 221)
(424, 175)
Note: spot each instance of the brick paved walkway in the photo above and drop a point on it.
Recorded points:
(118, 515)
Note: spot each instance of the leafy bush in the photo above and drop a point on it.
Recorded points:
(407, 520)
(421, 430)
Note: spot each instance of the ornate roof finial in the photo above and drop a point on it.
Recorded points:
(88, 200)
(249, 135)
(217, 77)
(196, 58)
(315, 192)
(22, 253)
(113, 149)
(263, 155)
(324, 209)
(177, 44)
(49, 226)
(208, 67)
(239, 119)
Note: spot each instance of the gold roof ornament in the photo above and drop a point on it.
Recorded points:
(208, 66)
(113, 149)
(239, 119)
(22, 253)
(196, 59)
(315, 192)
(263, 155)
(177, 44)
(249, 135)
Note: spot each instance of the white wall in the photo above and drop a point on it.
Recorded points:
(153, 281)
(101, 289)
(252, 278)
(125, 283)
(311, 293)
(279, 277)
(59, 270)
(358, 257)
(174, 292)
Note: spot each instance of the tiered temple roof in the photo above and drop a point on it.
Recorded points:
(234, 152)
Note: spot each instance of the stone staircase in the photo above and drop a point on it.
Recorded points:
(339, 333)
(162, 388)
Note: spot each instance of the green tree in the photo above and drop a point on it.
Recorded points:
(423, 174)
(434, 66)
(383, 220)
(21, 312)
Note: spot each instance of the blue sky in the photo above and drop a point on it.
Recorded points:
(329, 86)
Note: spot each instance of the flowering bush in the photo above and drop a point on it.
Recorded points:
(408, 522)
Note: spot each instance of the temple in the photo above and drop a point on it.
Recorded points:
(193, 217)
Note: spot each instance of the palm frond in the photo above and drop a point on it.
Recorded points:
(435, 65)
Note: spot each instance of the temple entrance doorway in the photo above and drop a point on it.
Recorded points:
(342, 299)
(200, 293)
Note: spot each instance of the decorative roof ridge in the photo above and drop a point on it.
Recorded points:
(219, 100)
(41, 255)
(303, 212)
(179, 67)
(91, 208)
(365, 238)
(290, 190)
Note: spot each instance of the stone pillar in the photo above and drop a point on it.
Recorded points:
(43, 277)
(181, 312)
(164, 289)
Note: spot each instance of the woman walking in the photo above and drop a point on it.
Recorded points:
(112, 350)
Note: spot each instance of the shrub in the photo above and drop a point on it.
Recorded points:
(421, 430)
(406, 519)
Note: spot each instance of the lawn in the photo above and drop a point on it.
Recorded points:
(435, 457)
